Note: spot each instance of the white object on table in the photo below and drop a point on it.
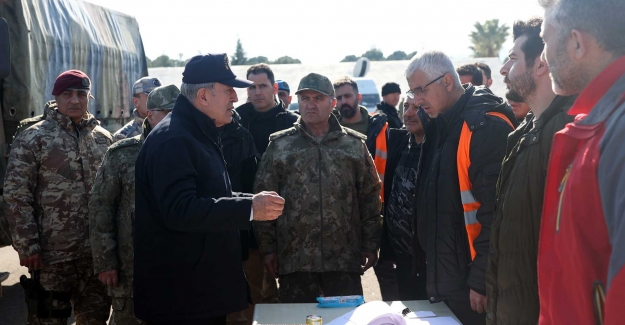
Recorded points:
(296, 313)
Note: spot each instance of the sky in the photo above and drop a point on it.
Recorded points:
(317, 31)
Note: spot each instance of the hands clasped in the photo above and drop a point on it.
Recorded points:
(267, 206)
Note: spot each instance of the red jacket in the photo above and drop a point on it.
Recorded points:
(581, 277)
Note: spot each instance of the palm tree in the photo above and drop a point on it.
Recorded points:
(488, 38)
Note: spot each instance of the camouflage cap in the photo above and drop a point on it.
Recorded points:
(163, 97)
(316, 82)
(145, 85)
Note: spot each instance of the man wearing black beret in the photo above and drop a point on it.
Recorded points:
(187, 264)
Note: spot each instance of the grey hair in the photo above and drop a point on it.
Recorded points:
(434, 64)
(190, 90)
(603, 19)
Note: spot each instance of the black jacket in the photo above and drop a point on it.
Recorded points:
(397, 141)
(511, 277)
(187, 246)
(391, 112)
(376, 124)
(242, 160)
(440, 216)
(262, 125)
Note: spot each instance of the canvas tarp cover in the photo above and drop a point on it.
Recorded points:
(52, 36)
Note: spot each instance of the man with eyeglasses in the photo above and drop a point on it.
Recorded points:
(329, 231)
(140, 91)
(51, 169)
(465, 145)
(112, 208)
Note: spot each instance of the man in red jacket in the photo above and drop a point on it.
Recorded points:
(581, 257)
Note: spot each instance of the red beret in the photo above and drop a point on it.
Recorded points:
(71, 79)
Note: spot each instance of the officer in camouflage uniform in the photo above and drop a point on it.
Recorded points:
(112, 207)
(50, 171)
(140, 91)
(331, 223)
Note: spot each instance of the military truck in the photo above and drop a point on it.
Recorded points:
(39, 39)
(47, 37)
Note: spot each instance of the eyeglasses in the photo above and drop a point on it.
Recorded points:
(420, 91)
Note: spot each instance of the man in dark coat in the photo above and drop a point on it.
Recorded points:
(264, 115)
(511, 277)
(461, 160)
(388, 106)
(188, 267)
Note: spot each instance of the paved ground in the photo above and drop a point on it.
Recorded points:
(13, 308)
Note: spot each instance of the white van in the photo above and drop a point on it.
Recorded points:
(369, 90)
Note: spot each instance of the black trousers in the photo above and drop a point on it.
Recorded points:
(411, 284)
(461, 307)
(219, 320)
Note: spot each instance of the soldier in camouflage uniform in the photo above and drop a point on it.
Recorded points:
(50, 171)
(331, 223)
(140, 91)
(112, 207)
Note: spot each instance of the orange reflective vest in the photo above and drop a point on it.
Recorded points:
(380, 156)
(469, 204)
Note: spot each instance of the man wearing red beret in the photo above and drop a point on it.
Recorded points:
(50, 172)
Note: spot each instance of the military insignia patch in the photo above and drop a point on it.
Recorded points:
(85, 82)
(226, 62)
(100, 140)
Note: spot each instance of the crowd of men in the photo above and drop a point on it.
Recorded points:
(509, 212)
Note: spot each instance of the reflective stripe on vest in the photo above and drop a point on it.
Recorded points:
(380, 156)
(469, 204)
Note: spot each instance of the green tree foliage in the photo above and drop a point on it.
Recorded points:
(239, 57)
(350, 58)
(164, 61)
(374, 54)
(286, 60)
(397, 55)
(410, 55)
(257, 60)
(488, 38)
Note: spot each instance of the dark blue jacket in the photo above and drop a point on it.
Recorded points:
(187, 245)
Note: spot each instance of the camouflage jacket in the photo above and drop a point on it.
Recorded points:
(111, 212)
(131, 129)
(28, 122)
(332, 193)
(50, 172)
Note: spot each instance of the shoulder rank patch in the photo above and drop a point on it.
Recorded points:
(280, 134)
(355, 134)
(124, 143)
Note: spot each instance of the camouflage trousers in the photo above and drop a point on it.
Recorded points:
(89, 299)
(305, 287)
(124, 312)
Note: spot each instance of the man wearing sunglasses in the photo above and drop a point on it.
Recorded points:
(462, 155)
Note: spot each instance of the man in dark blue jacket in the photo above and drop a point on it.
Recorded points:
(188, 267)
